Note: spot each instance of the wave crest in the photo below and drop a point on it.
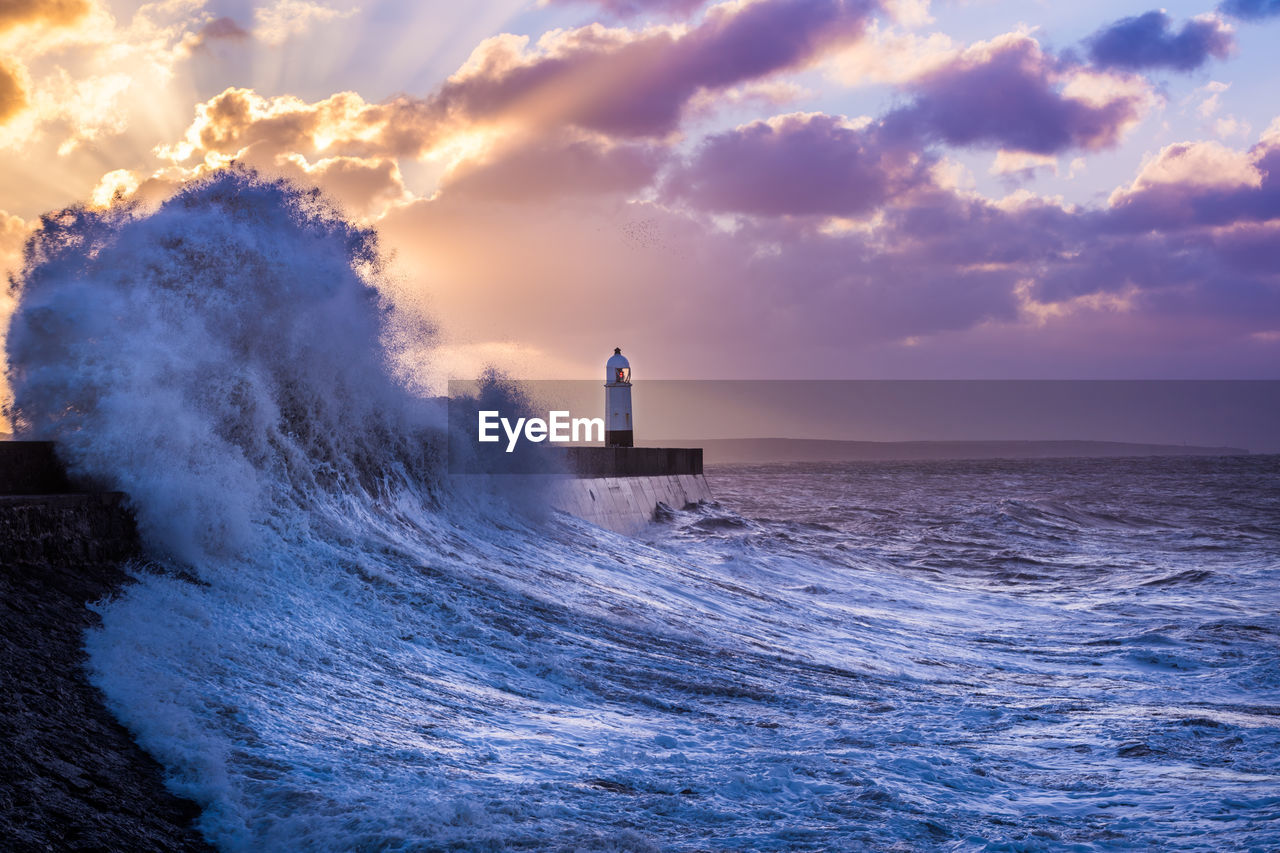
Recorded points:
(228, 350)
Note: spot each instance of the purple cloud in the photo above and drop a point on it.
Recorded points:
(1202, 277)
(639, 85)
(795, 165)
(1251, 9)
(1011, 96)
(552, 169)
(1192, 240)
(1202, 194)
(1194, 244)
(224, 28)
(1149, 41)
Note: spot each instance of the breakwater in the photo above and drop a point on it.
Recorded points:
(621, 488)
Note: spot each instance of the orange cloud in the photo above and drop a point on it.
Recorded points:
(231, 123)
(49, 13)
(14, 231)
(363, 186)
(13, 95)
(89, 76)
(342, 144)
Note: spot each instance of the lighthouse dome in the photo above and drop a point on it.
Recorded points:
(617, 369)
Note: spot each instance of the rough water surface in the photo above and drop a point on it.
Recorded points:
(1018, 655)
(339, 647)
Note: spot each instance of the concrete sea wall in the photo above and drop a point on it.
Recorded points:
(619, 488)
(627, 504)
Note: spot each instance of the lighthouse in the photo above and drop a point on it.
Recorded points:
(617, 401)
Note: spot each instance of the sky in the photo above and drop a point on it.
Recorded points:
(766, 189)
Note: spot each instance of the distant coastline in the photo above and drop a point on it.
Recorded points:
(722, 451)
(751, 450)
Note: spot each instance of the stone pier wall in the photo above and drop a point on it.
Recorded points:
(627, 504)
(71, 529)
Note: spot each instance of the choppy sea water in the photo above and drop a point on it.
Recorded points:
(1083, 652)
(336, 646)
(1007, 655)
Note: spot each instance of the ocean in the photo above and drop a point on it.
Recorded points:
(336, 646)
(1029, 655)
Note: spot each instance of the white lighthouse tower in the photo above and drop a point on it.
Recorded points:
(617, 401)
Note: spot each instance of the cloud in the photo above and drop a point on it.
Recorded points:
(555, 168)
(1193, 185)
(236, 121)
(1198, 164)
(87, 76)
(46, 13)
(798, 164)
(1188, 234)
(1149, 41)
(14, 231)
(613, 82)
(561, 173)
(633, 8)
(586, 105)
(224, 30)
(1022, 165)
(1186, 242)
(362, 186)
(887, 56)
(941, 263)
(1229, 126)
(1251, 9)
(846, 240)
(13, 94)
(1213, 101)
(41, 15)
(1008, 93)
(277, 23)
(628, 83)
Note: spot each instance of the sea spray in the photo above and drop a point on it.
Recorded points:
(207, 356)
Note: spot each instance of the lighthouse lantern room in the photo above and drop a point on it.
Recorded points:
(617, 401)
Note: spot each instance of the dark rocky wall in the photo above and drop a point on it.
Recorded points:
(89, 530)
(71, 777)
